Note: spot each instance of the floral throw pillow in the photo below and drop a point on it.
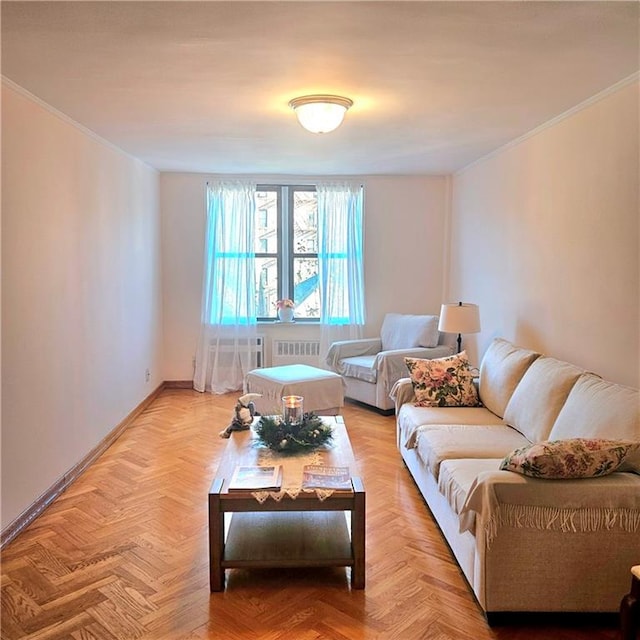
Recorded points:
(443, 382)
(571, 458)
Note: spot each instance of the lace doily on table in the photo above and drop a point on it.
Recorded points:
(292, 467)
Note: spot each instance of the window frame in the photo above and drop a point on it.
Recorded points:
(285, 256)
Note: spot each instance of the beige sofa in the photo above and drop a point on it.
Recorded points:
(371, 366)
(523, 543)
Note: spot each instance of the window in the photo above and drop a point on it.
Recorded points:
(286, 249)
(272, 242)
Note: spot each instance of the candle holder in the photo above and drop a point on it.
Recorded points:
(292, 409)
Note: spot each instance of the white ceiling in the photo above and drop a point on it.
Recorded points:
(204, 86)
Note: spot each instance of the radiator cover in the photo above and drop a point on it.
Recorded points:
(285, 352)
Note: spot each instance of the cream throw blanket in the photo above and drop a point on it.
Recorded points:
(504, 498)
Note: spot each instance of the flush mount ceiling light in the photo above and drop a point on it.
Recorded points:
(320, 114)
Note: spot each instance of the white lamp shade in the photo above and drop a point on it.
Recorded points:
(320, 114)
(459, 318)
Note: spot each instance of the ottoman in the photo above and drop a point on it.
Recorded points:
(323, 391)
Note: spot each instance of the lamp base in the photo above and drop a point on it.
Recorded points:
(459, 342)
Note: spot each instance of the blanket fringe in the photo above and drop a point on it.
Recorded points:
(566, 520)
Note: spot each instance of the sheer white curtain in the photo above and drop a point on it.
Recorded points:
(228, 323)
(340, 262)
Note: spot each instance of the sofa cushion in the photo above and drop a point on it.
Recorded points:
(360, 367)
(539, 396)
(502, 367)
(572, 458)
(411, 418)
(403, 331)
(447, 442)
(457, 476)
(443, 382)
(596, 408)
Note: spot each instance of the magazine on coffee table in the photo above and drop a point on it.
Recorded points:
(255, 478)
(321, 477)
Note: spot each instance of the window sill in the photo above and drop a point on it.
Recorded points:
(306, 321)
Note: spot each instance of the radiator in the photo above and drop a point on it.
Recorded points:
(226, 346)
(295, 352)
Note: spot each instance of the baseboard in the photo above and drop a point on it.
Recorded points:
(178, 384)
(37, 507)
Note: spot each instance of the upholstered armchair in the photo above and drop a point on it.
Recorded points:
(370, 367)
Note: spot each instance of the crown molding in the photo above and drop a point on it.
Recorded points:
(634, 77)
(70, 121)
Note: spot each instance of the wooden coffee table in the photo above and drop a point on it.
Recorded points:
(302, 532)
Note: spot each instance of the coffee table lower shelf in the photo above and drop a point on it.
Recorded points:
(288, 539)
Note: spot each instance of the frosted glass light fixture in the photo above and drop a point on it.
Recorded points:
(320, 114)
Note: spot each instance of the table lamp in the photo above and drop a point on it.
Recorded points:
(461, 317)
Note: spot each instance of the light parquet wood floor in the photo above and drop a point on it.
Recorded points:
(123, 554)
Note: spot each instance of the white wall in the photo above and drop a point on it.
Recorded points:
(545, 239)
(543, 236)
(404, 231)
(81, 313)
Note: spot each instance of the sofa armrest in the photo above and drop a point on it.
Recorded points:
(505, 498)
(391, 366)
(402, 392)
(350, 349)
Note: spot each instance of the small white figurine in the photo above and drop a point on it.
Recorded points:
(243, 414)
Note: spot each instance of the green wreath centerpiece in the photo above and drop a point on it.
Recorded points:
(288, 437)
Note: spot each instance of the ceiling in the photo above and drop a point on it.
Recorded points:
(204, 86)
